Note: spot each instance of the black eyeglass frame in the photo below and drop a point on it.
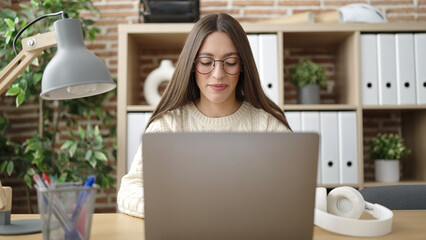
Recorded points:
(214, 65)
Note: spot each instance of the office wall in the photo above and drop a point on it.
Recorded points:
(113, 12)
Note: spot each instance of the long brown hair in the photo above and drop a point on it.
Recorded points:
(183, 88)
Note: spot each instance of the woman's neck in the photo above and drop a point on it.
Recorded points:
(215, 110)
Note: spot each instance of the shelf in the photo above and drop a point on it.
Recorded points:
(394, 107)
(338, 185)
(140, 108)
(403, 182)
(319, 107)
(334, 46)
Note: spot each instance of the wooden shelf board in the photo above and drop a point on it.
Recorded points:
(393, 107)
(319, 107)
(402, 182)
(338, 185)
(140, 108)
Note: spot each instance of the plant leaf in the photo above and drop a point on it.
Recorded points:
(73, 148)
(27, 180)
(100, 156)
(10, 167)
(88, 155)
(20, 99)
(13, 91)
(67, 144)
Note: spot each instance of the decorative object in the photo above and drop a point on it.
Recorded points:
(160, 11)
(163, 73)
(308, 77)
(387, 150)
(360, 12)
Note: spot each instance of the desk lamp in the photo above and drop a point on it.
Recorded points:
(73, 72)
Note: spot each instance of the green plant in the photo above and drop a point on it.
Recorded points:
(307, 72)
(83, 153)
(387, 147)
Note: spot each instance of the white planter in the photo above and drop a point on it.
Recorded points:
(386, 170)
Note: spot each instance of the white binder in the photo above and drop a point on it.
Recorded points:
(254, 45)
(268, 62)
(136, 122)
(294, 120)
(405, 71)
(329, 148)
(370, 90)
(387, 64)
(420, 56)
(311, 123)
(348, 148)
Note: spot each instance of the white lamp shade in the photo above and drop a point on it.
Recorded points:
(74, 72)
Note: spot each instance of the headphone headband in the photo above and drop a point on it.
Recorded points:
(355, 227)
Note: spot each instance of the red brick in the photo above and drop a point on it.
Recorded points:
(109, 22)
(265, 11)
(119, 14)
(299, 3)
(401, 18)
(391, 2)
(212, 4)
(340, 3)
(114, 7)
(253, 3)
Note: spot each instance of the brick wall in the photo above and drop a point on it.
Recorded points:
(115, 12)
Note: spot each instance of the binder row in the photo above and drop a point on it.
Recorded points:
(265, 52)
(393, 68)
(136, 123)
(338, 158)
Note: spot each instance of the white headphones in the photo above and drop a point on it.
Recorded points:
(339, 212)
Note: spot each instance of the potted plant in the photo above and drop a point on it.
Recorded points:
(308, 77)
(387, 150)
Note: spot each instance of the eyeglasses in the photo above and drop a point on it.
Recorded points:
(205, 65)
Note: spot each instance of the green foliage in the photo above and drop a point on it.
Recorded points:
(307, 72)
(83, 153)
(387, 147)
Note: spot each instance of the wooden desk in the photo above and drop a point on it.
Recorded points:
(407, 224)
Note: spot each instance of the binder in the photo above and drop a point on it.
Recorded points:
(254, 45)
(370, 91)
(405, 72)
(420, 62)
(136, 122)
(311, 123)
(294, 120)
(386, 59)
(348, 148)
(268, 65)
(329, 148)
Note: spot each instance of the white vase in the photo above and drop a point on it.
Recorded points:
(386, 170)
(163, 73)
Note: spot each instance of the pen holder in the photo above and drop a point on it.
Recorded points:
(66, 211)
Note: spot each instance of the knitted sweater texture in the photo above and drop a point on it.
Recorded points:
(130, 199)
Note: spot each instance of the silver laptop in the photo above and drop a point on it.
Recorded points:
(229, 185)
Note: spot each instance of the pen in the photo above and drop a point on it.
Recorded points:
(46, 179)
(82, 198)
(80, 205)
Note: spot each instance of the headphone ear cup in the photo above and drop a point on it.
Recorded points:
(345, 202)
(321, 199)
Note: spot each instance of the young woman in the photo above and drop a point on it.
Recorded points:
(215, 87)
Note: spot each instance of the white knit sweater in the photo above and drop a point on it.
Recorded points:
(130, 198)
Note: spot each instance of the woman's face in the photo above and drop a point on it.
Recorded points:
(217, 83)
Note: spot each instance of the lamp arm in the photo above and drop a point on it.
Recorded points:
(31, 48)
